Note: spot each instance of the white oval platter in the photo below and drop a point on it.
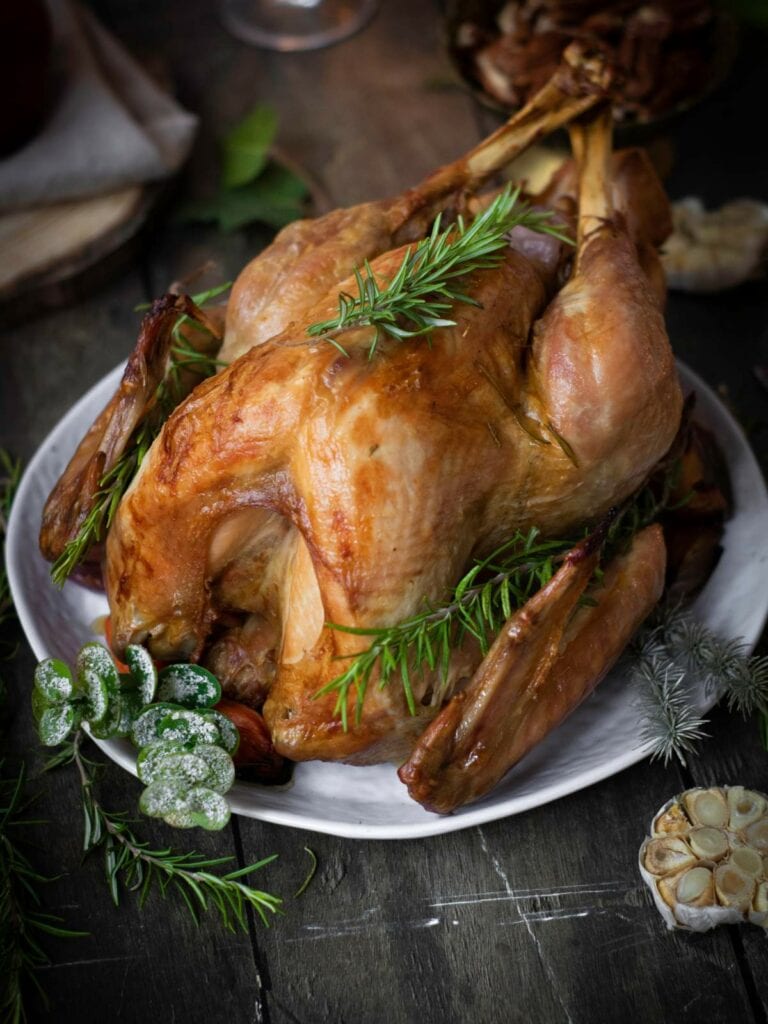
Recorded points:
(598, 740)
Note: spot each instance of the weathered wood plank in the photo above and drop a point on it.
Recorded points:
(540, 917)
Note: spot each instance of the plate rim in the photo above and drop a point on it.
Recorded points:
(241, 795)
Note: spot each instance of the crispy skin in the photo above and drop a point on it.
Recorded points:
(544, 662)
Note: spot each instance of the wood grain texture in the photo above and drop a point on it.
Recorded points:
(539, 918)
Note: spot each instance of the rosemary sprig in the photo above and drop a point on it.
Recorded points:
(426, 285)
(478, 605)
(21, 918)
(113, 485)
(132, 864)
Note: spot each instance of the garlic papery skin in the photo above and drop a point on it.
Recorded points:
(701, 870)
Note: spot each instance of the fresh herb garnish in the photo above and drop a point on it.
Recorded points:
(253, 187)
(183, 359)
(422, 292)
(132, 864)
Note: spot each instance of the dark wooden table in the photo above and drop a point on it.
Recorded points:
(540, 917)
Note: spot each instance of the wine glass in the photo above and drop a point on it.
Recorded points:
(289, 25)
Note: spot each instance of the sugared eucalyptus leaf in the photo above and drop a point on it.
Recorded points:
(108, 726)
(56, 723)
(163, 797)
(207, 808)
(144, 729)
(143, 671)
(40, 703)
(97, 674)
(189, 685)
(130, 709)
(220, 767)
(180, 818)
(188, 727)
(53, 679)
(230, 737)
(169, 760)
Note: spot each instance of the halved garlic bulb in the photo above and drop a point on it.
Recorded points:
(706, 861)
(748, 861)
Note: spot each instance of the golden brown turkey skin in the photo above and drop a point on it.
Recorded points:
(392, 473)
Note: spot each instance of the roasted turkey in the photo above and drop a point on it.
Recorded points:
(303, 485)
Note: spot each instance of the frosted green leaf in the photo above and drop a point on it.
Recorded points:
(163, 797)
(188, 727)
(40, 703)
(54, 680)
(180, 818)
(230, 737)
(56, 723)
(98, 677)
(143, 671)
(207, 809)
(130, 709)
(220, 767)
(108, 725)
(189, 685)
(144, 729)
(169, 760)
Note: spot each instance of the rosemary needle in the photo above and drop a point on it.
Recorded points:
(420, 296)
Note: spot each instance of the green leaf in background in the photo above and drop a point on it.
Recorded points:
(246, 147)
(276, 199)
(252, 187)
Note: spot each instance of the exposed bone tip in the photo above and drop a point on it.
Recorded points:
(592, 65)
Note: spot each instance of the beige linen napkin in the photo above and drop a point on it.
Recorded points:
(110, 125)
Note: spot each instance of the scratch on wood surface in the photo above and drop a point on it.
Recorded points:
(96, 960)
(361, 925)
(543, 959)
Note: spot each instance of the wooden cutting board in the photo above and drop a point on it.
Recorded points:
(47, 250)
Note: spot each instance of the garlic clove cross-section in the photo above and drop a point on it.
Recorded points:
(706, 860)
